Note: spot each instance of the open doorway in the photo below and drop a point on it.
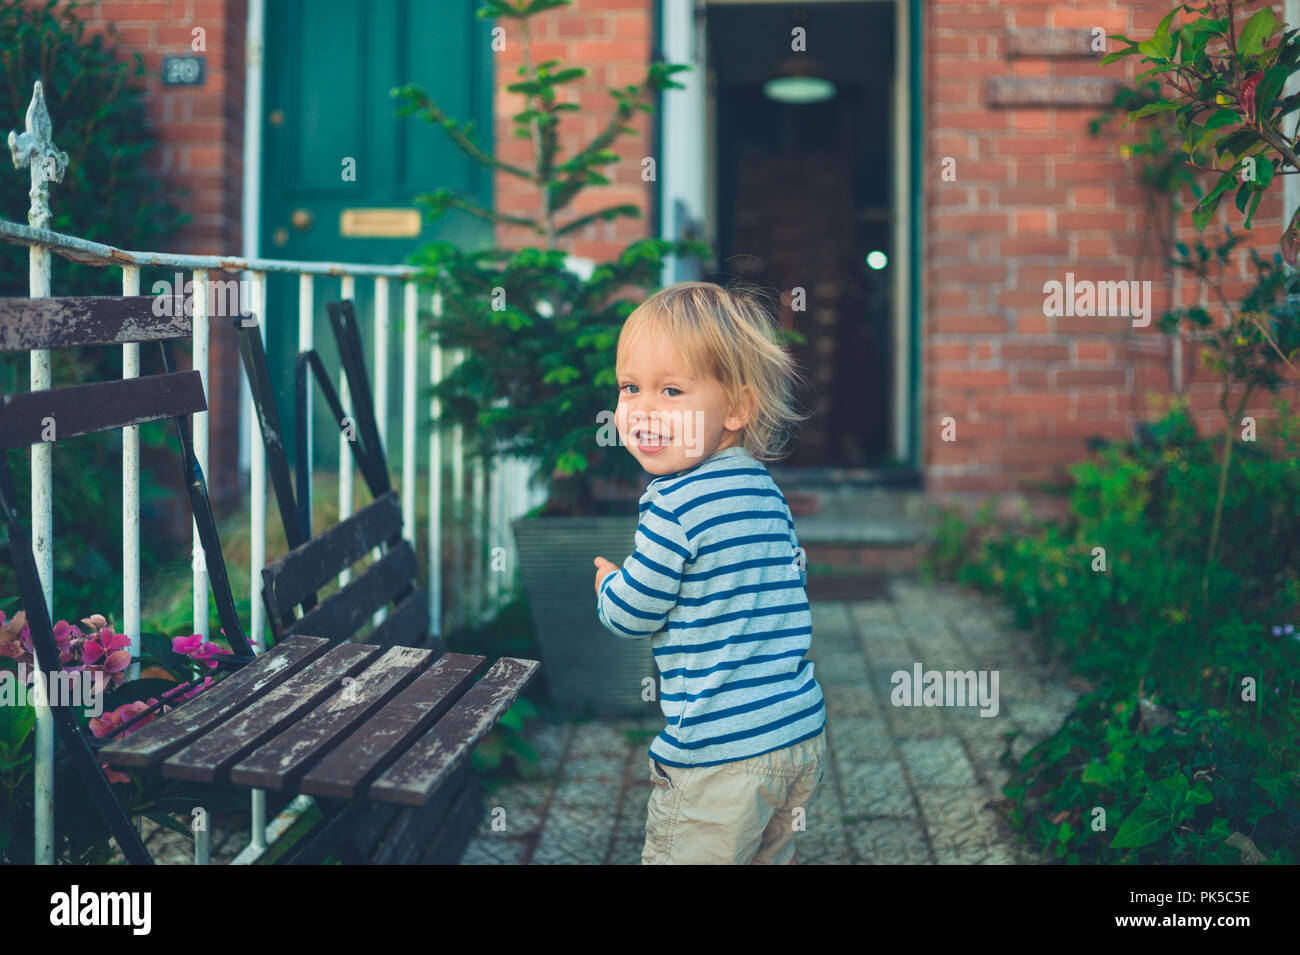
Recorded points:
(803, 200)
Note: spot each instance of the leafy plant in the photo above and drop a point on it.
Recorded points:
(1228, 105)
(1244, 351)
(170, 670)
(1118, 785)
(539, 339)
(97, 108)
(1182, 685)
(505, 752)
(1228, 99)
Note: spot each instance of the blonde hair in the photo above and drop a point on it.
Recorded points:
(728, 334)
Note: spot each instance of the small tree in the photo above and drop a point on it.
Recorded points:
(1228, 106)
(538, 379)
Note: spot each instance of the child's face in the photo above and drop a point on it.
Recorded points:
(667, 419)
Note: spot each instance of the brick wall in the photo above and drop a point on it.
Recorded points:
(611, 38)
(1036, 196)
(199, 136)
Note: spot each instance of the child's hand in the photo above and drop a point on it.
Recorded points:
(603, 569)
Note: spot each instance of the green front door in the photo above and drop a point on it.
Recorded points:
(339, 169)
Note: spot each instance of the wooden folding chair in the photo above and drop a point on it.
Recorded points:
(291, 583)
(59, 413)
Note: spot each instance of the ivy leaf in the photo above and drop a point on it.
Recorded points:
(1142, 827)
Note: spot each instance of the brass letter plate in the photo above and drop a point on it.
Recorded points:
(379, 223)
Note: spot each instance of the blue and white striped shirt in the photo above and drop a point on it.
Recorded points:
(716, 584)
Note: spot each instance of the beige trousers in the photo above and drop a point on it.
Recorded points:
(741, 813)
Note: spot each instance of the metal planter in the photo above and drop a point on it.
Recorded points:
(586, 667)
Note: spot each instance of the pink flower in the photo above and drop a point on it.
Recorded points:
(113, 719)
(186, 645)
(206, 652)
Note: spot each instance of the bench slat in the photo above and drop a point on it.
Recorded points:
(277, 763)
(101, 406)
(207, 758)
(160, 738)
(347, 768)
(341, 614)
(308, 567)
(406, 626)
(76, 320)
(420, 770)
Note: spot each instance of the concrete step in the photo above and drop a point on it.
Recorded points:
(848, 528)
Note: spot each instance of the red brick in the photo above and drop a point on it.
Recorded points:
(1082, 430)
(1096, 247)
(1017, 351)
(974, 222)
(1040, 403)
(949, 45)
(953, 91)
(1068, 221)
(1090, 378)
(1039, 453)
(137, 10)
(1030, 67)
(1033, 427)
(1035, 245)
(1112, 21)
(1092, 402)
(1069, 171)
(947, 353)
(953, 452)
(1031, 323)
(1030, 145)
(970, 378)
(1093, 351)
(974, 325)
(1033, 119)
(948, 118)
(949, 19)
(1030, 378)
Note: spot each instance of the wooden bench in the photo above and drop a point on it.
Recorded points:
(356, 724)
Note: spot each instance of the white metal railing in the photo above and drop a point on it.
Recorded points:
(488, 521)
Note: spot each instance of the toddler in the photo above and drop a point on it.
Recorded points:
(717, 580)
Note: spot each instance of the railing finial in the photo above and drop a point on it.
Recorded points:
(35, 147)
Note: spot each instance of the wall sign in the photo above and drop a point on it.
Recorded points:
(379, 223)
(188, 70)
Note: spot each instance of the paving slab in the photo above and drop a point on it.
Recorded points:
(913, 785)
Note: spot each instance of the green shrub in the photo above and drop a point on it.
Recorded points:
(1141, 626)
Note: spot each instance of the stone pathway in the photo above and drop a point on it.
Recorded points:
(903, 785)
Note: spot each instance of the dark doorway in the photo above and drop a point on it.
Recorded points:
(804, 198)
